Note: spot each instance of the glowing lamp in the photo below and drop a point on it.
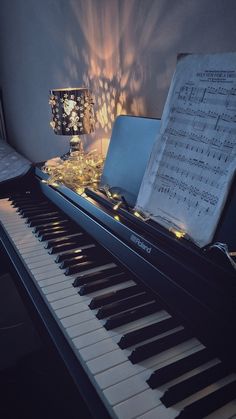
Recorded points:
(72, 114)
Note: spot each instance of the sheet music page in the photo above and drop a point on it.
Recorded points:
(193, 161)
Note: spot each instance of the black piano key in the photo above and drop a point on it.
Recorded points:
(209, 403)
(96, 276)
(37, 212)
(159, 345)
(103, 283)
(175, 369)
(56, 234)
(93, 250)
(34, 208)
(131, 315)
(147, 332)
(78, 239)
(73, 261)
(83, 266)
(118, 295)
(41, 221)
(79, 257)
(24, 203)
(48, 225)
(42, 216)
(47, 230)
(191, 385)
(126, 304)
(69, 245)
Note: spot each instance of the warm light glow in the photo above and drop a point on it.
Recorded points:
(179, 234)
(141, 216)
(117, 218)
(116, 206)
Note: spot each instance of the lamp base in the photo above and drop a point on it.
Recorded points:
(76, 146)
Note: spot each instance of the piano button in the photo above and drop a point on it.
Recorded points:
(175, 369)
(86, 278)
(131, 315)
(208, 404)
(123, 305)
(152, 348)
(193, 384)
(103, 283)
(147, 332)
(115, 296)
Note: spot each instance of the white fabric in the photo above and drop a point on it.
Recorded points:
(12, 164)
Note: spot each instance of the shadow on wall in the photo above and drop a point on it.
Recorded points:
(125, 51)
(120, 39)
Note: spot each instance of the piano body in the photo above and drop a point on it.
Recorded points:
(143, 322)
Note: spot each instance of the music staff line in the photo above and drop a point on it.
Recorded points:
(194, 162)
(186, 173)
(201, 119)
(221, 96)
(181, 192)
(200, 138)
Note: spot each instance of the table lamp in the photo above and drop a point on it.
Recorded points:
(72, 114)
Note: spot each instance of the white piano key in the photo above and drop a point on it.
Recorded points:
(100, 348)
(123, 384)
(137, 405)
(115, 375)
(59, 286)
(81, 329)
(61, 294)
(46, 261)
(49, 280)
(90, 338)
(228, 411)
(130, 387)
(106, 361)
(171, 412)
(70, 310)
(77, 318)
(65, 301)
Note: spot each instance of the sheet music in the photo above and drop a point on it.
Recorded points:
(194, 158)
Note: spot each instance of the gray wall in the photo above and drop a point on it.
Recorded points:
(125, 50)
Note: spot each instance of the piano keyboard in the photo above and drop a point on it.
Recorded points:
(143, 363)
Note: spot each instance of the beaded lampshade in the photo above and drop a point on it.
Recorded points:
(72, 114)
